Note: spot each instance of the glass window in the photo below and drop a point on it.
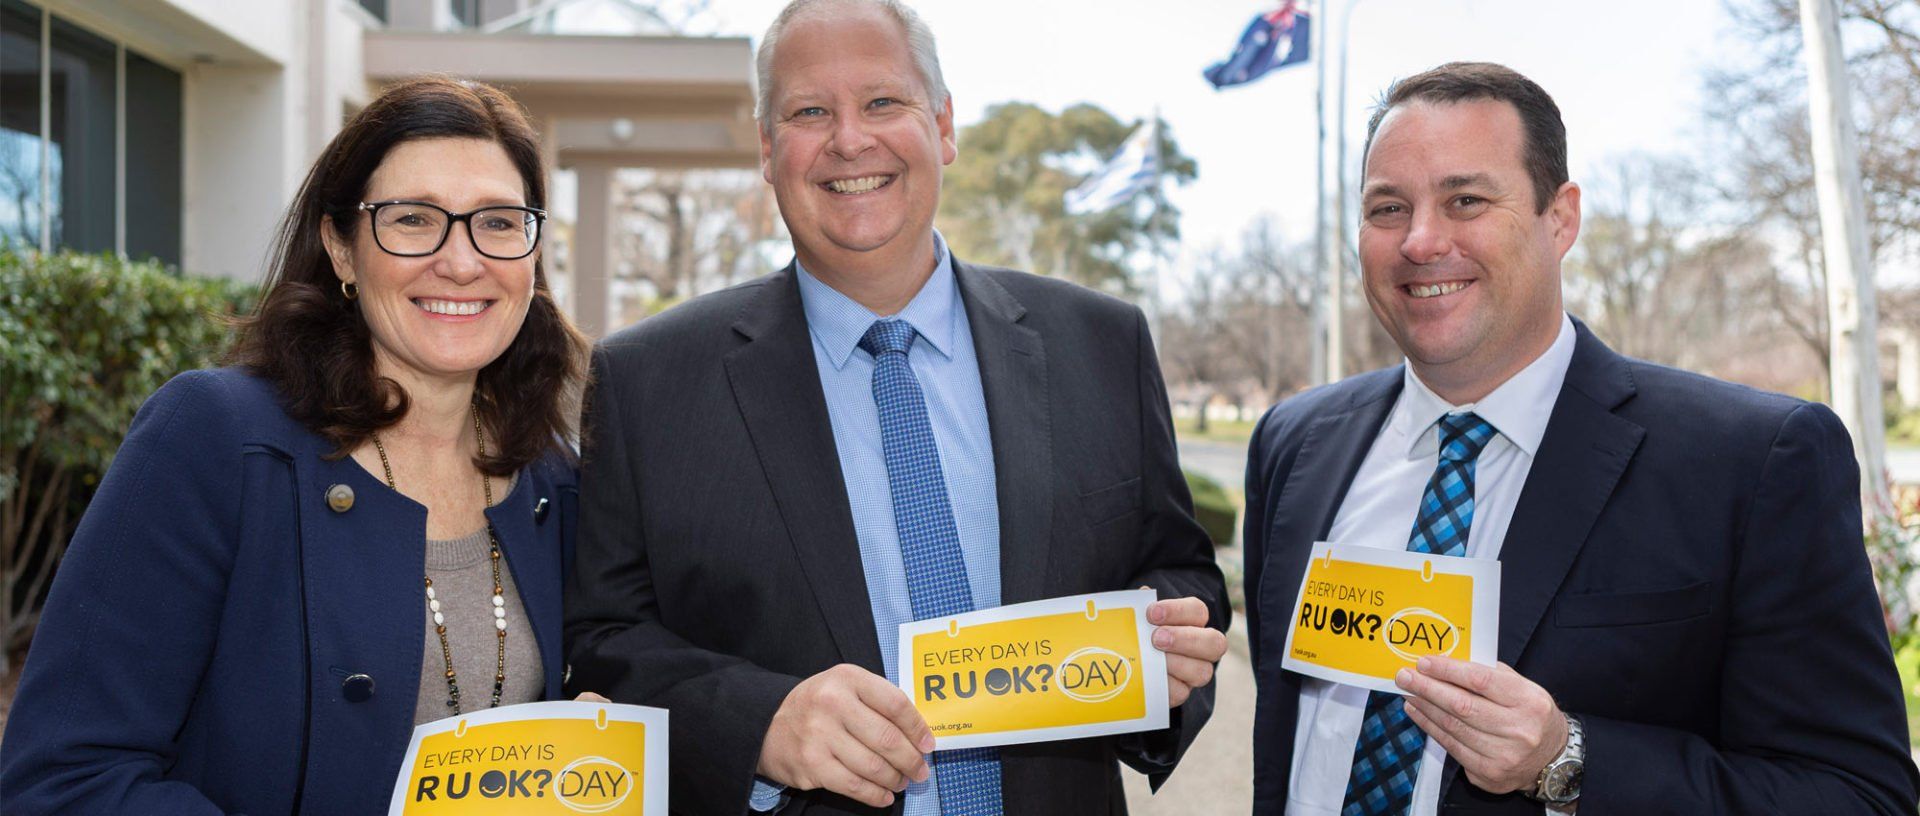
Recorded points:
(377, 8)
(82, 129)
(20, 206)
(154, 148)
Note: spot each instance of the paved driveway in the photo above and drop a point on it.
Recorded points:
(1216, 775)
(1903, 465)
(1220, 461)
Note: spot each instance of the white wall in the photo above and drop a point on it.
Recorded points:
(253, 130)
(346, 70)
(240, 169)
(266, 27)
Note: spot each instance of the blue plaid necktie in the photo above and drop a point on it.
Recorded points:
(1386, 758)
(969, 779)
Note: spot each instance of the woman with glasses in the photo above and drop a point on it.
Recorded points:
(360, 526)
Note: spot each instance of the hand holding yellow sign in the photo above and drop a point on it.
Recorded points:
(1062, 668)
(1364, 613)
(537, 758)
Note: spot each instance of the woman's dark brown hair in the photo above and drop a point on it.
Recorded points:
(310, 340)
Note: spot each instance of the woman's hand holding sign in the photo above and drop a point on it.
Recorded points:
(850, 731)
(1501, 727)
(1192, 647)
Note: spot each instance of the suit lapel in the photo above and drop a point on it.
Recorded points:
(776, 384)
(1303, 513)
(1013, 373)
(1585, 450)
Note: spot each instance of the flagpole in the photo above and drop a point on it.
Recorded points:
(1333, 252)
(1325, 319)
(1253, 56)
(1161, 256)
(1342, 221)
(1852, 313)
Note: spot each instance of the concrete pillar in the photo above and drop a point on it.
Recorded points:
(245, 156)
(593, 248)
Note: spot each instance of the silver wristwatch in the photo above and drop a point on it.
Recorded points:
(1559, 782)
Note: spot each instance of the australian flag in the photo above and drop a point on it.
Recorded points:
(1273, 40)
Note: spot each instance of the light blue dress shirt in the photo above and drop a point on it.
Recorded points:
(949, 374)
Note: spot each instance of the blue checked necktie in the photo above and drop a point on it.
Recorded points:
(969, 779)
(1386, 758)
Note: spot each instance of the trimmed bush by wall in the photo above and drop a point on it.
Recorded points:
(84, 339)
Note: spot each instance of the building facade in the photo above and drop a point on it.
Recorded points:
(180, 129)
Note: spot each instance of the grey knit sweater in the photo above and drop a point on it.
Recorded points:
(463, 583)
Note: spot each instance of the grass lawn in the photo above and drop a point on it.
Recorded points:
(1217, 430)
(1907, 660)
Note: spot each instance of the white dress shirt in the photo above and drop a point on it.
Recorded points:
(1379, 511)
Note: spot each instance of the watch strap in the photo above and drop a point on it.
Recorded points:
(1575, 750)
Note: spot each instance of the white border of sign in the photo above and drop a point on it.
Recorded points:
(1153, 665)
(1485, 573)
(655, 774)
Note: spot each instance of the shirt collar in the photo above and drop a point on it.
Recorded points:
(838, 322)
(1519, 408)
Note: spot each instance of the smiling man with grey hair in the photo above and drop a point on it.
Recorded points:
(919, 41)
(777, 476)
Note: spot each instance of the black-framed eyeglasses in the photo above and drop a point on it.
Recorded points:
(413, 229)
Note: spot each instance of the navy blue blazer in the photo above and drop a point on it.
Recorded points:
(1684, 572)
(193, 653)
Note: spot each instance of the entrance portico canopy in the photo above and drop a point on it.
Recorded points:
(601, 103)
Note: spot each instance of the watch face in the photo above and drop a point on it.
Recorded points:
(1563, 782)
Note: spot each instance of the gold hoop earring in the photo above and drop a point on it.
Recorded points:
(349, 289)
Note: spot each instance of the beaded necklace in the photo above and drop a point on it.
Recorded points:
(499, 592)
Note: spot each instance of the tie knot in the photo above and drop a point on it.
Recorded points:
(889, 335)
(1463, 436)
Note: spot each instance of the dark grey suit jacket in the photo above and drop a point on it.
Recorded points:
(717, 564)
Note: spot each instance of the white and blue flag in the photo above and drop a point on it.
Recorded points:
(1132, 170)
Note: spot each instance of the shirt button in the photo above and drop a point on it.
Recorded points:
(340, 498)
(357, 688)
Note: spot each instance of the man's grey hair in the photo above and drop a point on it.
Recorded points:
(919, 44)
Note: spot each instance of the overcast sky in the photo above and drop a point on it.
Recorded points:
(1625, 73)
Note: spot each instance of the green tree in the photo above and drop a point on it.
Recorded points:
(1003, 195)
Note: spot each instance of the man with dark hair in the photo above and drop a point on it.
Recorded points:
(1543, 136)
(777, 476)
(1687, 619)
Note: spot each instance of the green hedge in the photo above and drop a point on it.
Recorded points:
(1213, 508)
(84, 339)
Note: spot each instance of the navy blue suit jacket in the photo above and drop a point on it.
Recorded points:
(1684, 572)
(194, 643)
